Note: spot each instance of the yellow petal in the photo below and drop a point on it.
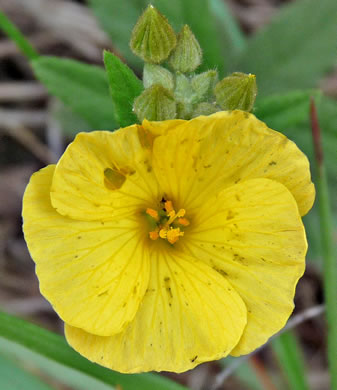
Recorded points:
(94, 273)
(202, 156)
(252, 234)
(190, 314)
(104, 174)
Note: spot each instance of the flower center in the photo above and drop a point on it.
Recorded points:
(166, 223)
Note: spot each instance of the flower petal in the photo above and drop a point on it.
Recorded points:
(190, 314)
(94, 273)
(207, 154)
(82, 191)
(252, 234)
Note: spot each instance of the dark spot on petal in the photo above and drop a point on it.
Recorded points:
(272, 163)
(194, 359)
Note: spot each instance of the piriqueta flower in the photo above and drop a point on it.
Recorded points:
(168, 244)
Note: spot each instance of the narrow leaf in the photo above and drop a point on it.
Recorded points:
(124, 88)
(51, 346)
(14, 33)
(13, 377)
(291, 360)
(295, 50)
(81, 87)
(232, 39)
(118, 18)
(283, 111)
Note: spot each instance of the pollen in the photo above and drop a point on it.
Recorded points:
(169, 224)
(153, 213)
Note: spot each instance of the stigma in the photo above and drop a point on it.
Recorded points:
(166, 223)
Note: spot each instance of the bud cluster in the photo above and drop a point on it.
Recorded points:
(172, 88)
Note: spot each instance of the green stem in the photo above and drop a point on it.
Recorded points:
(11, 30)
(329, 256)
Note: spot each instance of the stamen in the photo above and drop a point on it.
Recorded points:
(168, 206)
(163, 223)
(173, 235)
(153, 213)
(181, 213)
(183, 221)
(163, 233)
(154, 235)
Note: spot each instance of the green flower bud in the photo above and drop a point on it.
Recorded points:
(237, 91)
(183, 90)
(204, 83)
(205, 108)
(156, 74)
(155, 104)
(152, 38)
(187, 55)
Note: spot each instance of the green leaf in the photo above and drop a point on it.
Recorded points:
(119, 17)
(12, 31)
(13, 377)
(244, 372)
(291, 360)
(15, 332)
(232, 39)
(295, 50)
(283, 111)
(124, 88)
(81, 87)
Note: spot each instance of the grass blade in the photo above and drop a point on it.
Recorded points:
(53, 347)
(13, 32)
(328, 249)
(291, 360)
(13, 377)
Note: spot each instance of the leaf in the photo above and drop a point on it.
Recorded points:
(118, 18)
(13, 377)
(15, 34)
(81, 87)
(124, 88)
(244, 372)
(283, 111)
(291, 360)
(295, 50)
(232, 39)
(125, 14)
(48, 346)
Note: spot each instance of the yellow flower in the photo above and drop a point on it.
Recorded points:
(168, 244)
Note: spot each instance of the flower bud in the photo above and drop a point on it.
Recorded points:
(204, 83)
(152, 38)
(205, 108)
(155, 74)
(187, 55)
(237, 91)
(155, 104)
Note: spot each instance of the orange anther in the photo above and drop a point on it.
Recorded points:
(153, 213)
(183, 221)
(154, 235)
(168, 206)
